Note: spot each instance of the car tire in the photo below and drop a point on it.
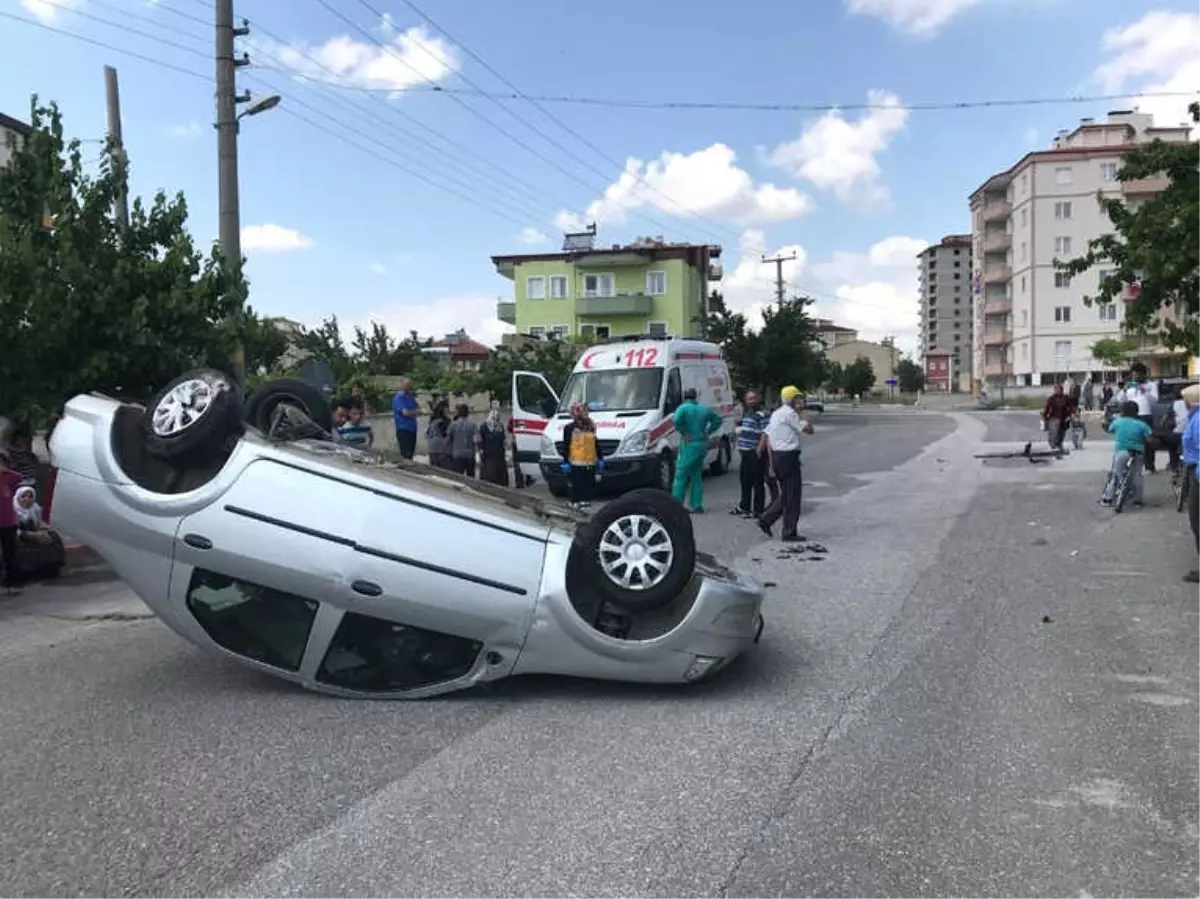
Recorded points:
(720, 465)
(266, 398)
(641, 549)
(197, 411)
(664, 473)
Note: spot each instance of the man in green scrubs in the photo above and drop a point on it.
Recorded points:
(695, 423)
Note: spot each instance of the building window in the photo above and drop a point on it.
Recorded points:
(1107, 312)
(1062, 314)
(535, 288)
(598, 286)
(1024, 350)
(1108, 172)
(1024, 183)
(1062, 211)
(657, 329)
(1024, 218)
(537, 331)
(656, 284)
(1062, 246)
(1024, 318)
(1022, 283)
(560, 332)
(1062, 349)
(595, 332)
(1062, 175)
(1024, 251)
(1101, 275)
(1062, 279)
(558, 287)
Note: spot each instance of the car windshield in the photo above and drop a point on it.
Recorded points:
(614, 390)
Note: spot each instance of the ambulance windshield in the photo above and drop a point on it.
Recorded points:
(614, 390)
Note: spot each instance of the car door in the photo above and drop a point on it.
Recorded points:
(534, 403)
(441, 591)
(264, 572)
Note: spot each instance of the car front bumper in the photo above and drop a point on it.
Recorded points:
(619, 472)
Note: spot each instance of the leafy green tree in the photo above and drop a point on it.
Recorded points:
(1155, 245)
(859, 376)
(910, 375)
(1113, 351)
(85, 306)
(833, 376)
(552, 359)
(784, 351)
(324, 343)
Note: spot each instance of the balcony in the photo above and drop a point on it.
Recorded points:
(997, 210)
(1145, 186)
(715, 273)
(997, 242)
(995, 369)
(998, 306)
(621, 304)
(506, 312)
(997, 337)
(997, 274)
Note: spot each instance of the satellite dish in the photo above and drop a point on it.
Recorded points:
(317, 374)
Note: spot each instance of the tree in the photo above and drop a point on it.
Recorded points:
(910, 375)
(263, 344)
(85, 306)
(1153, 252)
(833, 376)
(859, 376)
(1113, 351)
(784, 351)
(552, 359)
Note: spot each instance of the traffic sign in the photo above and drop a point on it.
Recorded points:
(891, 382)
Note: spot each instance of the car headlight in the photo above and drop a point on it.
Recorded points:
(633, 443)
(547, 446)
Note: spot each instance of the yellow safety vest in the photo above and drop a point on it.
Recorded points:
(583, 448)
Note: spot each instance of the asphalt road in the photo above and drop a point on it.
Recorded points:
(987, 687)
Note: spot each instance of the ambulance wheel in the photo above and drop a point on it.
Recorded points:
(720, 465)
(664, 473)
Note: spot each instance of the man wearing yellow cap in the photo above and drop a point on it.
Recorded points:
(784, 431)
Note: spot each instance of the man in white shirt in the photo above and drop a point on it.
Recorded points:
(1145, 393)
(783, 438)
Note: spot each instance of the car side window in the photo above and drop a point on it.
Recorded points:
(674, 394)
(379, 656)
(251, 620)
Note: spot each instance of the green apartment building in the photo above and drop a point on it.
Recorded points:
(647, 287)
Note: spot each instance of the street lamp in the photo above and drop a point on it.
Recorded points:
(262, 104)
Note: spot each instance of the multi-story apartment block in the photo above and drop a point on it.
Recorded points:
(947, 321)
(1031, 324)
(646, 287)
(12, 133)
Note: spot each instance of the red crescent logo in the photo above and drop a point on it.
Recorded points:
(587, 360)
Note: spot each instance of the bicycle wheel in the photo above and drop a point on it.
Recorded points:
(1122, 491)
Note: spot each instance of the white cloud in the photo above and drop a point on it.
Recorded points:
(875, 292)
(271, 238)
(1158, 52)
(411, 58)
(749, 286)
(921, 18)
(474, 313)
(379, 268)
(707, 184)
(46, 10)
(839, 155)
(532, 236)
(191, 129)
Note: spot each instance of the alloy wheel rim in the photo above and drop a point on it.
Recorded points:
(636, 552)
(183, 406)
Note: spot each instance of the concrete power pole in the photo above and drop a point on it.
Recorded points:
(229, 216)
(780, 290)
(113, 98)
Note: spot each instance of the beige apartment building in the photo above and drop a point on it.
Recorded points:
(1031, 326)
(947, 319)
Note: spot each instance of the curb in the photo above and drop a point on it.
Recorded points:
(80, 555)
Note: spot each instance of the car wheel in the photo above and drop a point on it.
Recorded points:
(197, 410)
(642, 549)
(664, 473)
(265, 399)
(720, 465)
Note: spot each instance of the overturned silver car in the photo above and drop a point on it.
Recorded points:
(249, 532)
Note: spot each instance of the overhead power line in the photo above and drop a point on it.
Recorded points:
(733, 106)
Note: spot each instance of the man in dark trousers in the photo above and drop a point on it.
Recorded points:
(783, 437)
(752, 462)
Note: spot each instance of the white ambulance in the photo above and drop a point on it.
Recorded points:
(632, 387)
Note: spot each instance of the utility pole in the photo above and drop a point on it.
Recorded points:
(229, 217)
(779, 285)
(113, 98)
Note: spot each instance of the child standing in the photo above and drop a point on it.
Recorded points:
(356, 432)
(1129, 443)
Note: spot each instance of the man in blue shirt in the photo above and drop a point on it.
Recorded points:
(1191, 461)
(405, 412)
(1129, 435)
(752, 462)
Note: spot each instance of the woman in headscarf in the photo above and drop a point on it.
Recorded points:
(581, 451)
(492, 438)
(437, 437)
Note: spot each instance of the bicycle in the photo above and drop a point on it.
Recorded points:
(1180, 484)
(1124, 486)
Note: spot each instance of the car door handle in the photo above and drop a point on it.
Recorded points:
(197, 542)
(366, 588)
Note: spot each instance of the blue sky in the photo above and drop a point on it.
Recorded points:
(856, 194)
